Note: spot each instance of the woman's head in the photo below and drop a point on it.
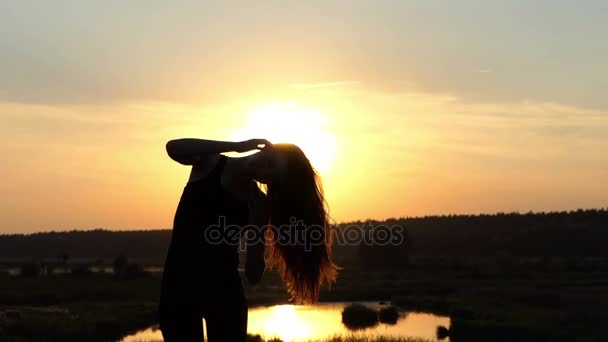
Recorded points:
(270, 163)
(300, 246)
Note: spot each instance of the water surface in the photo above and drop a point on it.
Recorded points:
(296, 323)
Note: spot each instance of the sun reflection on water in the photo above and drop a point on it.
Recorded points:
(295, 323)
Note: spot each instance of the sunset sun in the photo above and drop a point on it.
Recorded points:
(288, 122)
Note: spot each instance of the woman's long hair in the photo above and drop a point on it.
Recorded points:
(300, 232)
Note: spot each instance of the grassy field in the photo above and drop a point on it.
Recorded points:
(495, 300)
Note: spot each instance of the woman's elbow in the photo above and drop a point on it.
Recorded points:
(173, 151)
(171, 147)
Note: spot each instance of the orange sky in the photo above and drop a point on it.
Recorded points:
(380, 154)
(406, 109)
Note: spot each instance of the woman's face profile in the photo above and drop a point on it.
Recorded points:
(267, 165)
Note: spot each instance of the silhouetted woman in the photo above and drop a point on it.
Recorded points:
(219, 203)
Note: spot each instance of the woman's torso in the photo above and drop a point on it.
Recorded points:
(203, 252)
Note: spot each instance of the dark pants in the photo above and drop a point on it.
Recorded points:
(185, 302)
(225, 323)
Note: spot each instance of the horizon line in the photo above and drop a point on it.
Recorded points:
(499, 213)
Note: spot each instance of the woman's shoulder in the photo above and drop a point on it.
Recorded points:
(204, 166)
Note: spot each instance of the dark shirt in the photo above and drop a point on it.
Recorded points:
(203, 254)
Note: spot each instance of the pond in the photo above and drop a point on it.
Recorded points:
(295, 323)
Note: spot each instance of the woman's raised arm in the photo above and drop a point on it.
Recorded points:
(188, 151)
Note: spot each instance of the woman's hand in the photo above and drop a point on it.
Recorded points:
(251, 144)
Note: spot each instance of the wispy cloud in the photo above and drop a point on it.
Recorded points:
(316, 85)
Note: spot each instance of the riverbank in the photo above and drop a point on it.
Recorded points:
(490, 302)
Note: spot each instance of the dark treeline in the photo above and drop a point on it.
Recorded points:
(582, 233)
(94, 244)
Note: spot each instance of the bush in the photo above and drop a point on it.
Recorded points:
(357, 316)
(442, 332)
(389, 314)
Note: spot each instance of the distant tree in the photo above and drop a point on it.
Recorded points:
(31, 269)
(120, 266)
(63, 258)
